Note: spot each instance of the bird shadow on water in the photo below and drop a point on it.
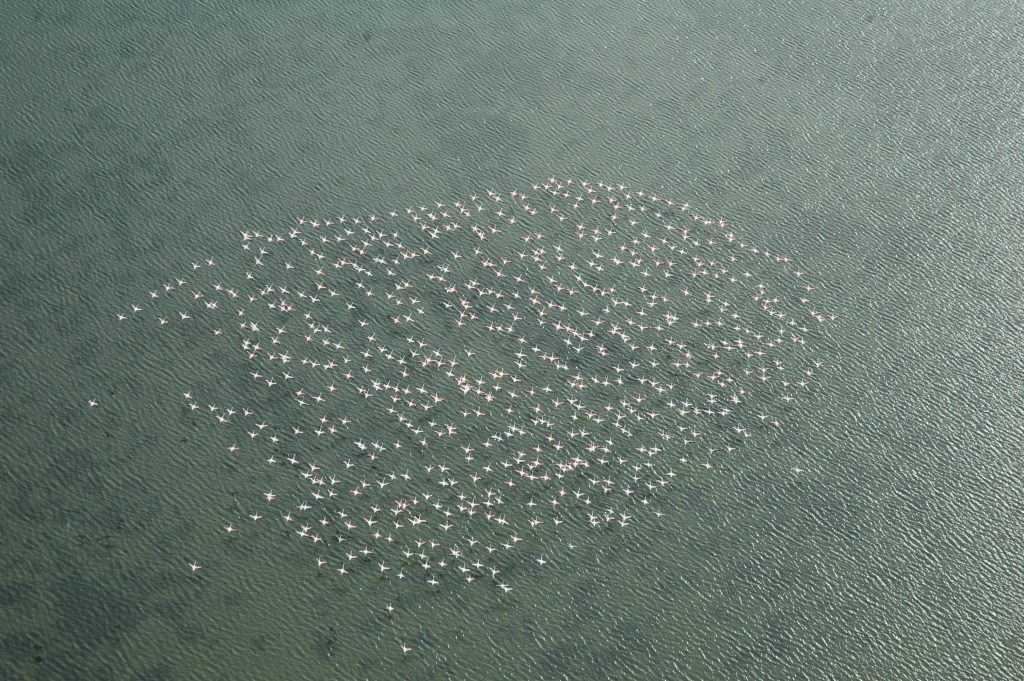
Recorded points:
(753, 658)
(57, 14)
(612, 655)
(91, 614)
(24, 648)
(159, 672)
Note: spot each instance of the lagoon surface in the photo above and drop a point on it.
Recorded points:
(874, 534)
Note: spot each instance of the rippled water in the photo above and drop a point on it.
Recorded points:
(878, 146)
(466, 392)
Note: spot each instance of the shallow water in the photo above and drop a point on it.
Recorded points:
(876, 146)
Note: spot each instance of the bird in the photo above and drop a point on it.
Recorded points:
(547, 363)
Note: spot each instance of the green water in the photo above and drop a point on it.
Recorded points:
(877, 145)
